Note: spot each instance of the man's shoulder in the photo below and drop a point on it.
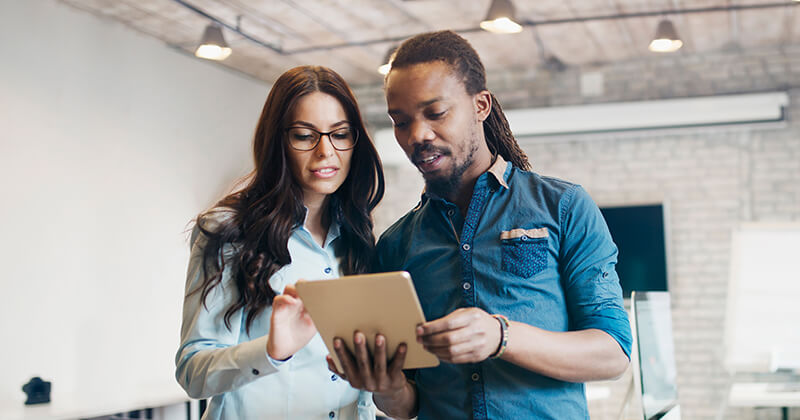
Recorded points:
(551, 188)
(402, 227)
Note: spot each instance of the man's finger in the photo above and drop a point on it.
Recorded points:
(348, 364)
(452, 353)
(448, 338)
(363, 360)
(332, 367)
(379, 358)
(455, 320)
(399, 359)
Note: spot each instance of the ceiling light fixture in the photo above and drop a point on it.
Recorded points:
(666, 39)
(212, 45)
(500, 18)
(387, 61)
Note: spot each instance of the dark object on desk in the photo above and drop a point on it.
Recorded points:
(639, 233)
(38, 391)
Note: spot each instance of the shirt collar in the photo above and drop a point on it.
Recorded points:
(334, 229)
(498, 170)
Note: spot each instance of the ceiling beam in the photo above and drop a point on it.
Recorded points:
(533, 23)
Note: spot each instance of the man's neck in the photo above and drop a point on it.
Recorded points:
(463, 195)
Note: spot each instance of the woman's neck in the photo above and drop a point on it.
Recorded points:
(318, 218)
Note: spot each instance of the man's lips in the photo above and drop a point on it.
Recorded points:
(429, 163)
(428, 157)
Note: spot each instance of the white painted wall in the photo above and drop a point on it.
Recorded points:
(110, 142)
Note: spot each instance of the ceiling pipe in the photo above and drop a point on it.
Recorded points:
(660, 13)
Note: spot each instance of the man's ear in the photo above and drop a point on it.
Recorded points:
(483, 104)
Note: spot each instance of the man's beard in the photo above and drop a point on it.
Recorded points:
(447, 185)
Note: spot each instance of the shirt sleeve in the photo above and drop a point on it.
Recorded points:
(210, 359)
(365, 406)
(588, 259)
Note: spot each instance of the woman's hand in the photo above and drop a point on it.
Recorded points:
(291, 327)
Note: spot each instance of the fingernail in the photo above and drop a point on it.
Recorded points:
(337, 343)
(420, 330)
(379, 340)
(402, 348)
(357, 338)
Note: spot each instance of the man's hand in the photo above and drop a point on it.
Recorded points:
(466, 335)
(290, 327)
(370, 373)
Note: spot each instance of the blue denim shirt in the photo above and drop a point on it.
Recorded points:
(532, 248)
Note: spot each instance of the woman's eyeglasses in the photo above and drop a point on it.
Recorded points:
(305, 139)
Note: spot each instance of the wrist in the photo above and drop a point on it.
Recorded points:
(501, 348)
(272, 354)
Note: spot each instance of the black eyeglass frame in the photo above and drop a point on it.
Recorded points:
(353, 131)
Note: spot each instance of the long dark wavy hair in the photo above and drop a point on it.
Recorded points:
(256, 221)
(449, 47)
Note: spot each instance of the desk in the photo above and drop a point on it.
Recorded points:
(69, 407)
(761, 394)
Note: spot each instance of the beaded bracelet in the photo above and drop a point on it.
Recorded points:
(504, 324)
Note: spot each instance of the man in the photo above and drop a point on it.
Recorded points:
(515, 270)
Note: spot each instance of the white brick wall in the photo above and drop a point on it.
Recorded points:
(711, 178)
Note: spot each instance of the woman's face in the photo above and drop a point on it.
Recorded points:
(323, 169)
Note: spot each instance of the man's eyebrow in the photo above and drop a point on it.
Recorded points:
(422, 104)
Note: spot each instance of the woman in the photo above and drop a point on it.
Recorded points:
(305, 212)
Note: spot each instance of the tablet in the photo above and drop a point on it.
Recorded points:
(370, 303)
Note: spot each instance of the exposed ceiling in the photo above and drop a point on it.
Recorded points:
(287, 33)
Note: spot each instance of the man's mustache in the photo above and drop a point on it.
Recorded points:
(427, 148)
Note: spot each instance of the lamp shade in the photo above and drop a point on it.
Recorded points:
(500, 18)
(666, 39)
(212, 45)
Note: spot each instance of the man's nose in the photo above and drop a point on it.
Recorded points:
(419, 132)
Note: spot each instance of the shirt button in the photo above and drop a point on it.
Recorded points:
(475, 376)
(256, 372)
(333, 378)
(331, 414)
(465, 247)
(451, 212)
(327, 270)
(605, 274)
(466, 286)
(523, 238)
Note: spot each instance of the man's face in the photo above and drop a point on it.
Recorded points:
(438, 124)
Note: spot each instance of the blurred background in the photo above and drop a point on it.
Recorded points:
(681, 118)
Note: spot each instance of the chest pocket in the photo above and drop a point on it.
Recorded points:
(524, 251)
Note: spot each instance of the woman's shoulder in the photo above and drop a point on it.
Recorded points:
(212, 221)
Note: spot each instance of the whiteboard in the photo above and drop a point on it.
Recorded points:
(762, 326)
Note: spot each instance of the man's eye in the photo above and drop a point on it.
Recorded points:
(400, 124)
(436, 115)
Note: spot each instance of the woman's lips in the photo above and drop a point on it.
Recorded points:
(327, 172)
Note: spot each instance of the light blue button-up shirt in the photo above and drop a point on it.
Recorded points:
(233, 368)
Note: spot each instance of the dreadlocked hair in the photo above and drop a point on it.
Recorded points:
(451, 48)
